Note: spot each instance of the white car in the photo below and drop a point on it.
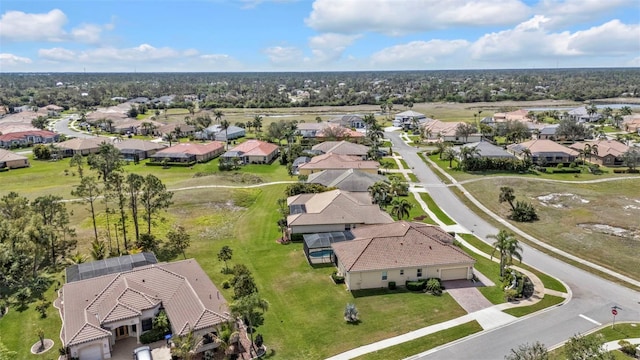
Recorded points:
(142, 353)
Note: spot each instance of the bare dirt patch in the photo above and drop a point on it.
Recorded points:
(611, 230)
(561, 200)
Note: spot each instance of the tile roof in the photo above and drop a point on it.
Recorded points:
(341, 148)
(193, 148)
(487, 149)
(186, 292)
(605, 147)
(348, 180)
(137, 144)
(336, 207)
(83, 143)
(336, 161)
(443, 128)
(542, 146)
(22, 134)
(256, 148)
(6, 155)
(398, 245)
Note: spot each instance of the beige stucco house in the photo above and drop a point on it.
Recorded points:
(338, 162)
(401, 251)
(12, 160)
(98, 312)
(334, 210)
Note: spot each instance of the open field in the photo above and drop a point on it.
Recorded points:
(588, 211)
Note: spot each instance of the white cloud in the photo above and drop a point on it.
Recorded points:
(395, 17)
(417, 54)
(251, 4)
(283, 55)
(141, 53)
(531, 39)
(57, 54)
(20, 26)
(563, 12)
(11, 60)
(330, 46)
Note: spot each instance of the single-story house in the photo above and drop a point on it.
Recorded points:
(545, 152)
(582, 115)
(405, 119)
(548, 132)
(53, 110)
(216, 132)
(28, 138)
(436, 130)
(188, 152)
(337, 132)
(253, 152)
(309, 129)
(99, 312)
(135, 149)
(487, 150)
(334, 210)
(300, 160)
(184, 130)
(347, 180)
(342, 148)
(338, 162)
(349, 121)
(82, 146)
(603, 152)
(399, 252)
(631, 123)
(126, 126)
(12, 160)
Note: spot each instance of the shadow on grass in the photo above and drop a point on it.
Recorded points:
(354, 323)
(322, 266)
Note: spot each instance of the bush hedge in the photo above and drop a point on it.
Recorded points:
(415, 285)
(152, 335)
(337, 278)
(626, 171)
(159, 163)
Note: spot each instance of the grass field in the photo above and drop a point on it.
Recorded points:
(609, 203)
(424, 343)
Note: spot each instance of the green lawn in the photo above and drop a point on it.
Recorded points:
(413, 177)
(436, 210)
(389, 163)
(424, 343)
(444, 179)
(547, 301)
(415, 212)
(490, 269)
(404, 164)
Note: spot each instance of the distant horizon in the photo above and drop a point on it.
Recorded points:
(116, 36)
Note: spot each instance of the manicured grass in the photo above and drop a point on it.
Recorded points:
(415, 212)
(18, 327)
(436, 210)
(547, 301)
(548, 281)
(619, 332)
(413, 177)
(443, 178)
(424, 343)
(388, 161)
(404, 164)
(491, 270)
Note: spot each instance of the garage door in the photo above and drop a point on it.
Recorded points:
(91, 353)
(453, 274)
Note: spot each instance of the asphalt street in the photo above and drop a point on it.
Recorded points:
(62, 127)
(590, 304)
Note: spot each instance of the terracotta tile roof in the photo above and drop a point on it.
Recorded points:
(605, 147)
(186, 292)
(341, 148)
(335, 161)
(349, 180)
(336, 207)
(347, 132)
(399, 245)
(137, 144)
(22, 134)
(443, 128)
(6, 155)
(193, 148)
(255, 148)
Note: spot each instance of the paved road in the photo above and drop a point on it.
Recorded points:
(592, 296)
(62, 127)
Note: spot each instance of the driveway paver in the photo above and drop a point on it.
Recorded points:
(469, 298)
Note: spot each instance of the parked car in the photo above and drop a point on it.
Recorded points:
(142, 353)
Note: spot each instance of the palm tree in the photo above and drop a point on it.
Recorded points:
(218, 115)
(224, 125)
(98, 250)
(441, 146)
(400, 208)
(467, 153)
(508, 247)
(184, 346)
(625, 110)
(368, 120)
(76, 258)
(246, 307)
(449, 154)
(257, 123)
(379, 192)
(506, 194)
(526, 155)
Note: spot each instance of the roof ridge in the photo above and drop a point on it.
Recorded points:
(353, 263)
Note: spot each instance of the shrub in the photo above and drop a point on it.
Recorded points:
(153, 335)
(510, 294)
(337, 278)
(628, 348)
(351, 313)
(523, 212)
(225, 284)
(560, 166)
(434, 286)
(415, 285)
(392, 285)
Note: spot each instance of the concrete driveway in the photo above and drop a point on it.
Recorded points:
(123, 349)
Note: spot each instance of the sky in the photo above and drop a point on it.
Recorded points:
(315, 35)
